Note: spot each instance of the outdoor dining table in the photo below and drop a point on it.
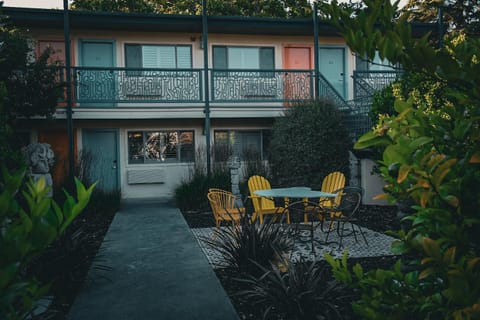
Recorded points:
(293, 192)
(302, 193)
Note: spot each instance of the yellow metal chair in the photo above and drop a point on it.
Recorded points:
(223, 207)
(263, 205)
(333, 182)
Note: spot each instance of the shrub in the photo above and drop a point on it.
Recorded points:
(28, 227)
(191, 194)
(305, 291)
(421, 87)
(431, 159)
(250, 245)
(307, 144)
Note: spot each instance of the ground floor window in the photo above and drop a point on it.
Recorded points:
(161, 146)
(246, 144)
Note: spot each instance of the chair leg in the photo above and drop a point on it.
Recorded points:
(215, 232)
(328, 230)
(340, 233)
(363, 234)
(288, 217)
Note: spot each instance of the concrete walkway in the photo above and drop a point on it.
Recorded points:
(159, 271)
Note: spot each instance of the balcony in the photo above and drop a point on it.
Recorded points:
(122, 87)
(181, 92)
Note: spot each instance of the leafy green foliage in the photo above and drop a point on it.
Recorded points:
(192, 194)
(420, 87)
(459, 15)
(33, 88)
(27, 88)
(304, 291)
(308, 143)
(430, 159)
(30, 222)
(258, 8)
(250, 245)
(114, 5)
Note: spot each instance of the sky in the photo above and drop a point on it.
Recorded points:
(54, 4)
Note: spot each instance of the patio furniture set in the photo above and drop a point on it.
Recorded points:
(328, 210)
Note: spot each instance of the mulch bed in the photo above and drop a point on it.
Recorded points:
(377, 218)
(65, 265)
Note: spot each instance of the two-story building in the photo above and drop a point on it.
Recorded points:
(149, 91)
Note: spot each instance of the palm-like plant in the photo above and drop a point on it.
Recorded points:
(305, 291)
(249, 245)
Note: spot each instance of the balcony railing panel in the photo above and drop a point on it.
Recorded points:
(365, 83)
(327, 91)
(261, 85)
(122, 85)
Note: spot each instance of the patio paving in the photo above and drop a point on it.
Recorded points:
(379, 244)
(159, 271)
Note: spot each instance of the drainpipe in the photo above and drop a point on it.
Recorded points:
(440, 26)
(207, 90)
(68, 79)
(315, 50)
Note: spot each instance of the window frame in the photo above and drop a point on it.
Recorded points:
(262, 135)
(226, 48)
(145, 161)
(141, 45)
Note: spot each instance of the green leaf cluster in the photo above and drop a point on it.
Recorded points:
(430, 160)
(307, 144)
(29, 222)
(256, 8)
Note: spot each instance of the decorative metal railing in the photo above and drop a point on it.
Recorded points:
(115, 86)
(326, 90)
(261, 85)
(365, 83)
(122, 85)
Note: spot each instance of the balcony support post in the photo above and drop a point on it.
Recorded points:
(206, 79)
(68, 79)
(315, 50)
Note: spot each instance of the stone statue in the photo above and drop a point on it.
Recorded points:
(40, 158)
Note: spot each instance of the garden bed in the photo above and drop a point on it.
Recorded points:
(377, 218)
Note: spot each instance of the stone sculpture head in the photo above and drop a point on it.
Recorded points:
(40, 157)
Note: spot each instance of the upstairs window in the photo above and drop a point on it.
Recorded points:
(243, 58)
(158, 56)
(160, 146)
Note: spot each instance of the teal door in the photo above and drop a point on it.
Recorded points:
(97, 79)
(332, 66)
(100, 157)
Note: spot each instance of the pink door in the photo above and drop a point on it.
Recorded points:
(297, 84)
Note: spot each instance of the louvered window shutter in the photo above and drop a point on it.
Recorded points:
(243, 58)
(184, 57)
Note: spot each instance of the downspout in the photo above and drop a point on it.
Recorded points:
(315, 51)
(440, 26)
(207, 90)
(68, 79)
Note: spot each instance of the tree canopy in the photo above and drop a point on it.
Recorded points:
(27, 88)
(459, 14)
(259, 8)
